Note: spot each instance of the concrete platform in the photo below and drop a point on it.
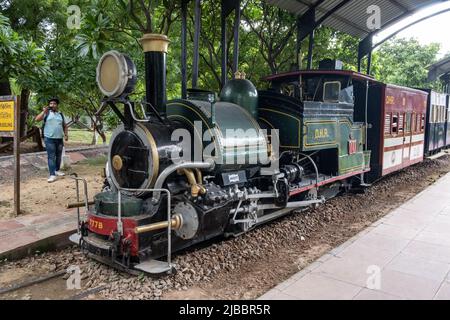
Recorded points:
(405, 255)
(27, 234)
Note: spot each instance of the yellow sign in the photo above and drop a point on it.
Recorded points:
(6, 116)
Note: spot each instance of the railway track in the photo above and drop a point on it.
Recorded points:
(41, 280)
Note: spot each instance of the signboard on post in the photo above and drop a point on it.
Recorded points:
(10, 127)
(7, 116)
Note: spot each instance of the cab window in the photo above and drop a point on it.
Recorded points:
(331, 91)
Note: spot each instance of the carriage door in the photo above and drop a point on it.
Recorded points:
(402, 131)
(407, 136)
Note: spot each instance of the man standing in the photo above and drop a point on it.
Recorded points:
(54, 130)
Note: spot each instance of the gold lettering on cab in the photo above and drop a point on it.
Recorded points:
(321, 134)
(390, 100)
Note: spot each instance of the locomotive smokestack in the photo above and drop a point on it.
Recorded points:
(155, 49)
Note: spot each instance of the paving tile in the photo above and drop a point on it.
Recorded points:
(274, 295)
(349, 270)
(428, 251)
(289, 282)
(359, 252)
(313, 266)
(44, 233)
(409, 221)
(32, 220)
(325, 257)
(408, 286)
(367, 294)
(438, 227)
(317, 287)
(383, 242)
(421, 267)
(444, 292)
(7, 225)
(17, 240)
(442, 218)
(424, 206)
(396, 231)
(434, 238)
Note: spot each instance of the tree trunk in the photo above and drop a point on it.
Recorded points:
(24, 99)
(94, 137)
(99, 128)
(5, 88)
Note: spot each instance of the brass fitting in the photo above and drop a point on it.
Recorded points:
(155, 43)
(176, 223)
(200, 181)
(196, 186)
(117, 162)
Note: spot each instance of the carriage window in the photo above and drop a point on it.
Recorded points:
(401, 123)
(417, 122)
(433, 114)
(395, 123)
(387, 124)
(331, 91)
(408, 123)
(422, 123)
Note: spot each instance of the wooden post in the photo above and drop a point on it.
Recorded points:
(16, 156)
(10, 127)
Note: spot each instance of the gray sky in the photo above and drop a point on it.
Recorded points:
(436, 29)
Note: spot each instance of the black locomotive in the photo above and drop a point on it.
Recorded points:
(184, 171)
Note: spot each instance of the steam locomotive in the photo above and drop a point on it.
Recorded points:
(184, 171)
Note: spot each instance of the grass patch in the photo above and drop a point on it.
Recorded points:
(85, 137)
(97, 161)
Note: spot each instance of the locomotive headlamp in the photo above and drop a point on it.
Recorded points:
(116, 74)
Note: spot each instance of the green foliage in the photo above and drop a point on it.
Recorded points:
(20, 59)
(34, 20)
(404, 62)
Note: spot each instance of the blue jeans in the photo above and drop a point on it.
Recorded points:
(54, 153)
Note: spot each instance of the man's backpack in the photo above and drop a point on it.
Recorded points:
(45, 120)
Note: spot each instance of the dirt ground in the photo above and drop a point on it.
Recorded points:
(38, 196)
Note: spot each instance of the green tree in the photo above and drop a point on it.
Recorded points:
(22, 61)
(405, 62)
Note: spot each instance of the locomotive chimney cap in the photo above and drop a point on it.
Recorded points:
(152, 42)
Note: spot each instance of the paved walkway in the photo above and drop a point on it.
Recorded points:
(24, 235)
(405, 255)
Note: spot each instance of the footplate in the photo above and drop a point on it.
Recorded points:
(154, 267)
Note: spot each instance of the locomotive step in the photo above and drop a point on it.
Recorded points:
(154, 267)
(365, 185)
